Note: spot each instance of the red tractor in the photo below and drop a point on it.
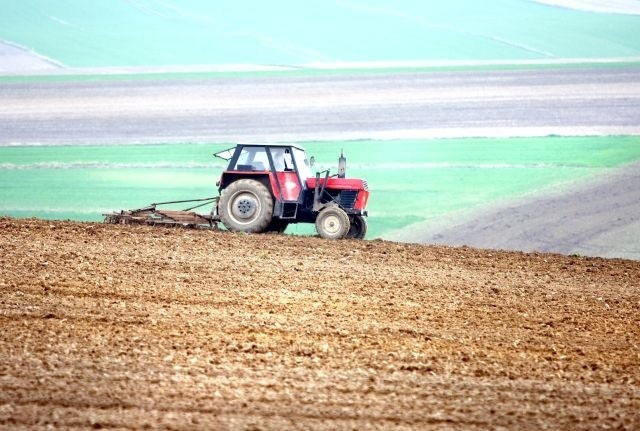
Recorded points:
(268, 186)
(265, 188)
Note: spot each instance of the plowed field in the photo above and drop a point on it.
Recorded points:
(109, 326)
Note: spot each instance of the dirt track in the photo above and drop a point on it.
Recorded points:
(111, 326)
(594, 217)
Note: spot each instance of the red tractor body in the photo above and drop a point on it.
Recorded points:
(268, 186)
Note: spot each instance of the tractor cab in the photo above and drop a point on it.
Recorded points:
(268, 186)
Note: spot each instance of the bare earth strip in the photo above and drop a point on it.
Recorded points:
(597, 218)
(134, 327)
(539, 102)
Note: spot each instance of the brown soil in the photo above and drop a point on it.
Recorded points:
(137, 327)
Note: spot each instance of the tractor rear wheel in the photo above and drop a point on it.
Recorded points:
(332, 223)
(246, 206)
(358, 228)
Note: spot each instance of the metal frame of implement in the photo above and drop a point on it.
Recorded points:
(151, 215)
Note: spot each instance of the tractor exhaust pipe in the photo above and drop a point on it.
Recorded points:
(342, 165)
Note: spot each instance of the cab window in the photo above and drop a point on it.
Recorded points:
(252, 159)
(282, 159)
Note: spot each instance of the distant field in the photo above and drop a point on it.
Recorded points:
(77, 33)
(410, 181)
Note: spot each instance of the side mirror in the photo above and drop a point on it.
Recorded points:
(312, 161)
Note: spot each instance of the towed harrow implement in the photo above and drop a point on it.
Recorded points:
(154, 216)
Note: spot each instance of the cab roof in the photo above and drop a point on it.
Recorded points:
(228, 153)
(252, 144)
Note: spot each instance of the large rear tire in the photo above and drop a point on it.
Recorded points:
(332, 223)
(358, 229)
(246, 206)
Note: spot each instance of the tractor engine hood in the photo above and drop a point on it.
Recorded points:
(334, 183)
(353, 194)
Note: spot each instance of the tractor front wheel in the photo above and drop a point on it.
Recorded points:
(332, 223)
(358, 228)
(246, 206)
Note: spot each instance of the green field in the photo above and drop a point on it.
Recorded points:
(410, 181)
(79, 33)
